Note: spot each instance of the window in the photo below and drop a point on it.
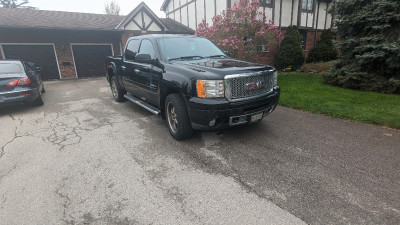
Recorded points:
(29, 69)
(303, 34)
(9, 68)
(266, 3)
(307, 5)
(132, 49)
(192, 47)
(147, 48)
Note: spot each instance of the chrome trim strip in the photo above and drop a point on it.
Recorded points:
(13, 92)
(145, 105)
(247, 74)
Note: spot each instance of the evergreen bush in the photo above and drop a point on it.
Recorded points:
(291, 53)
(370, 45)
(325, 50)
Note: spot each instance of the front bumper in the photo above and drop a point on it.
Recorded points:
(23, 95)
(202, 112)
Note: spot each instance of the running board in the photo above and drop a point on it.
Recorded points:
(143, 104)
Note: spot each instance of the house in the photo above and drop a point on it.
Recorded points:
(74, 45)
(310, 16)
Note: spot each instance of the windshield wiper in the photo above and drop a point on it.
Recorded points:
(187, 58)
(217, 56)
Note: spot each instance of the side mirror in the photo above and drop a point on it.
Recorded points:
(145, 58)
(129, 55)
(227, 53)
(38, 69)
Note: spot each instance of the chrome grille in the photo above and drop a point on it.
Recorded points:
(236, 85)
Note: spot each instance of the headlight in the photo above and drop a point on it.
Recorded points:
(210, 88)
(276, 78)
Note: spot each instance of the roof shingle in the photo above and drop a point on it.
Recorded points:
(30, 18)
(44, 19)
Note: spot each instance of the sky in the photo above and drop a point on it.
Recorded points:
(95, 6)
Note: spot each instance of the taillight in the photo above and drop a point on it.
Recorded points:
(24, 81)
(12, 83)
(19, 82)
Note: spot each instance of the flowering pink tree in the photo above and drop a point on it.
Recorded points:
(241, 29)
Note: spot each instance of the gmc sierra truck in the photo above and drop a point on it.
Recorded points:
(191, 83)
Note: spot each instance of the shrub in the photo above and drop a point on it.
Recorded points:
(320, 67)
(325, 50)
(370, 45)
(290, 53)
(240, 28)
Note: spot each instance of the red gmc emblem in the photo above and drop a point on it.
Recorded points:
(255, 85)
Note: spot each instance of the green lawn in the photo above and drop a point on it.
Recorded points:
(310, 93)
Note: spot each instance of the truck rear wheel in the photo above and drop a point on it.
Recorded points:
(177, 117)
(116, 90)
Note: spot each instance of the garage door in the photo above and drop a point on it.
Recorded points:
(89, 59)
(42, 55)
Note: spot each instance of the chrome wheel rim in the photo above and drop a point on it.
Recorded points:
(172, 118)
(114, 89)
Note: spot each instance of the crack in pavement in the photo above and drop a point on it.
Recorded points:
(2, 152)
(65, 204)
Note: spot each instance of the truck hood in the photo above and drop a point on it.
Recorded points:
(219, 68)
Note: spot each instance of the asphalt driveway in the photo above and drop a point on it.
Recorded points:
(84, 159)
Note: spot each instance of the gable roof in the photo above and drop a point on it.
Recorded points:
(140, 7)
(45, 19)
(175, 27)
(30, 18)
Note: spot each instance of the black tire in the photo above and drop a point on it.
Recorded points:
(117, 91)
(38, 101)
(179, 125)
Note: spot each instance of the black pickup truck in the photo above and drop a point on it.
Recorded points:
(191, 83)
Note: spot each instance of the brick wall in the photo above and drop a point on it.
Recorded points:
(267, 58)
(124, 38)
(310, 41)
(62, 40)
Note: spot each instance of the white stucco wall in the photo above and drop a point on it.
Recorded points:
(192, 16)
(189, 13)
(286, 13)
(184, 13)
(221, 6)
(132, 26)
(154, 27)
(200, 10)
(178, 16)
(210, 11)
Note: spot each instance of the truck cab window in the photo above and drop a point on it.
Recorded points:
(132, 49)
(147, 48)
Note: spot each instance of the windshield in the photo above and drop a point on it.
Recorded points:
(188, 48)
(9, 68)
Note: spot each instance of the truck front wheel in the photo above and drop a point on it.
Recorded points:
(177, 116)
(117, 91)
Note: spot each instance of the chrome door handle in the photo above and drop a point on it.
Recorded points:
(123, 67)
(137, 71)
